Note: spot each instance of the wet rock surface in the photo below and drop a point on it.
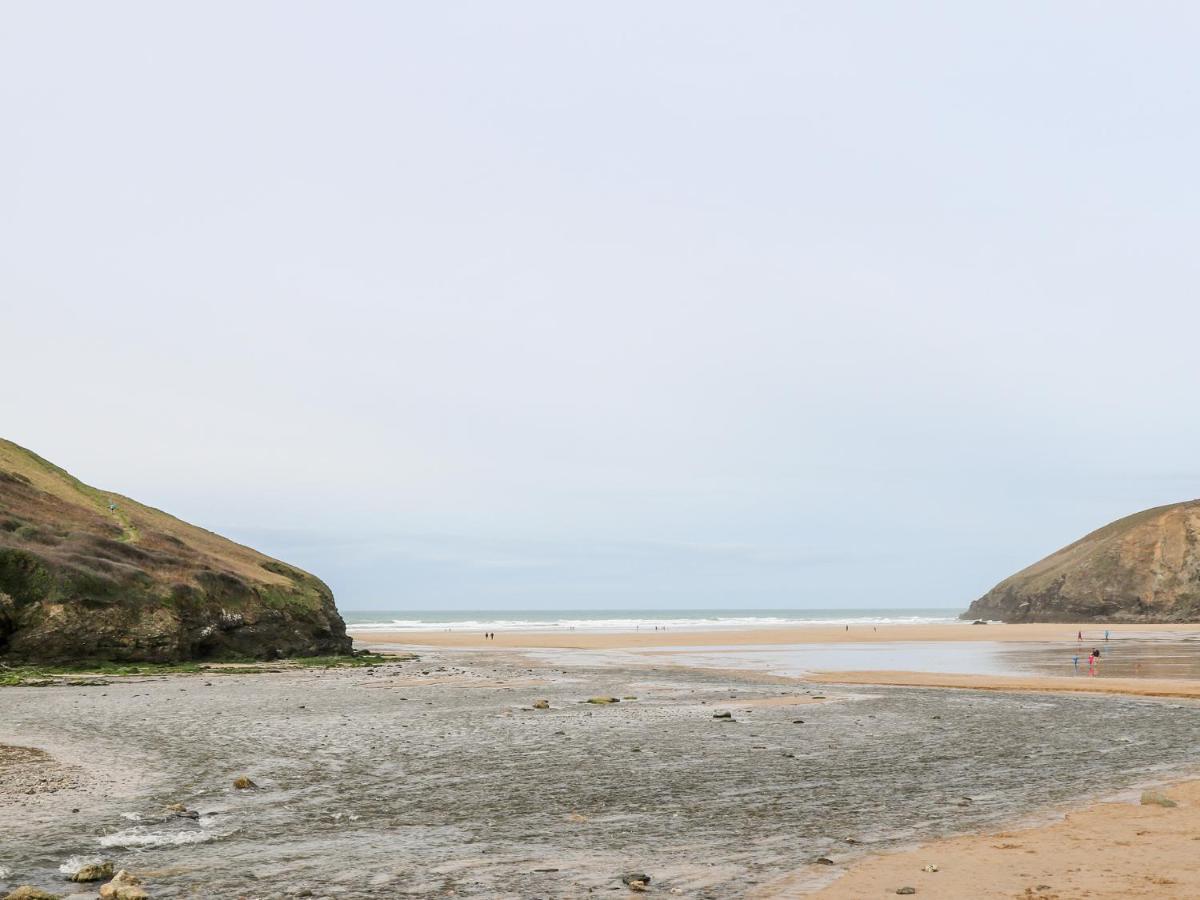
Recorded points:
(403, 784)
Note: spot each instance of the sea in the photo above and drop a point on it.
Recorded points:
(637, 620)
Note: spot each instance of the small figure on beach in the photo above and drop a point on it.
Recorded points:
(1106, 634)
(1092, 664)
(1075, 659)
(1079, 636)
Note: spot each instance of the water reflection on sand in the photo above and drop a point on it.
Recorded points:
(1126, 657)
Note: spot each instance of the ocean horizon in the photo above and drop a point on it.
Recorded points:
(630, 619)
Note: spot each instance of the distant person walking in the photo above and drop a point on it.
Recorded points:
(1092, 664)
(1106, 634)
(1075, 659)
(1079, 636)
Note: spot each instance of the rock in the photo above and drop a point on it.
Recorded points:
(1157, 798)
(29, 892)
(636, 881)
(906, 890)
(797, 721)
(725, 714)
(823, 861)
(541, 704)
(604, 700)
(94, 872)
(929, 868)
(124, 886)
(244, 784)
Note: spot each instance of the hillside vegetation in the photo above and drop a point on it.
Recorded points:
(1142, 568)
(86, 574)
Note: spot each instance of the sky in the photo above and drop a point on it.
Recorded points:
(472, 305)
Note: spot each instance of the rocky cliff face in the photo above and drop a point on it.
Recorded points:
(1143, 568)
(90, 575)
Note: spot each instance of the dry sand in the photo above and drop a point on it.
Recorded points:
(809, 634)
(1106, 850)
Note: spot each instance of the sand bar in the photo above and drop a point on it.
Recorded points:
(1141, 687)
(807, 634)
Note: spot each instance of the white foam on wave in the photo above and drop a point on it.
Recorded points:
(5, 872)
(716, 623)
(142, 838)
(75, 863)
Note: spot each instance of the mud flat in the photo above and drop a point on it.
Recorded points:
(437, 776)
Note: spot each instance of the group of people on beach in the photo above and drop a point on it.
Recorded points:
(489, 635)
(1093, 657)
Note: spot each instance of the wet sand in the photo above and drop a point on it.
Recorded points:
(437, 777)
(1137, 687)
(822, 634)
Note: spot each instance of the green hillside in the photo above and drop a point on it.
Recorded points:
(87, 574)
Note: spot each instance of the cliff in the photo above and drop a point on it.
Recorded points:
(1143, 568)
(90, 575)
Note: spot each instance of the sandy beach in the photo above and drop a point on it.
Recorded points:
(814, 634)
(438, 776)
(1106, 850)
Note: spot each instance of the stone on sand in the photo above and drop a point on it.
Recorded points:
(604, 700)
(244, 784)
(541, 704)
(636, 881)
(1157, 798)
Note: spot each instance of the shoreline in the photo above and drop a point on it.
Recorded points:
(806, 634)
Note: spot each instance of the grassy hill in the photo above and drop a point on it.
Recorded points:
(1142, 568)
(87, 574)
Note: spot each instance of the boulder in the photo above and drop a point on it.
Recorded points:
(244, 784)
(541, 704)
(604, 700)
(29, 892)
(94, 872)
(124, 886)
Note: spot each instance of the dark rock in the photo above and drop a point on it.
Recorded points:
(724, 714)
(823, 861)
(906, 890)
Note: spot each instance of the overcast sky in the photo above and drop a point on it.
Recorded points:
(542, 305)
